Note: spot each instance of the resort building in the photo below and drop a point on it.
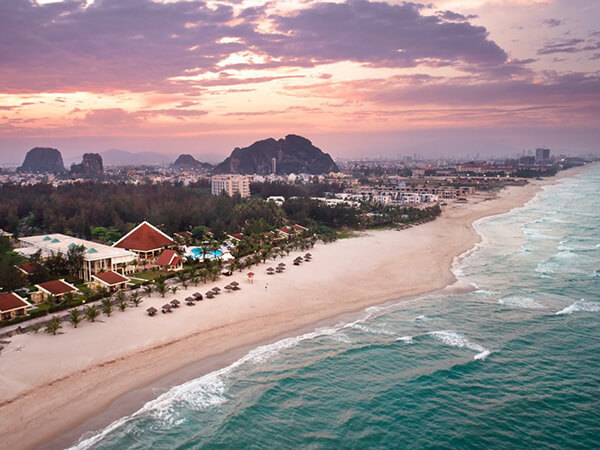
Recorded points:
(170, 260)
(12, 305)
(97, 257)
(145, 240)
(110, 280)
(230, 184)
(56, 288)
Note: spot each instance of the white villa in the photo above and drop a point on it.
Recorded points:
(97, 257)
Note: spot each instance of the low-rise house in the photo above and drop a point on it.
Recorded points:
(145, 240)
(110, 280)
(56, 288)
(29, 268)
(170, 260)
(12, 305)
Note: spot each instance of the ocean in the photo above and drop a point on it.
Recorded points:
(515, 363)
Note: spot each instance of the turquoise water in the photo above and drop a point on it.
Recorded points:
(196, 252)
(513, 364)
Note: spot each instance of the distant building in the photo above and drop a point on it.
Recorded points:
(230, 184)
(273, 165)
(97, 257)
(278, 200)
(542, 154)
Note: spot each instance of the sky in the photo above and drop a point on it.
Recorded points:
(357, 77)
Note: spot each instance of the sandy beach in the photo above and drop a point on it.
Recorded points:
(51, 384)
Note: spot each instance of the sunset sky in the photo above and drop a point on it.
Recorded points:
(356, 77)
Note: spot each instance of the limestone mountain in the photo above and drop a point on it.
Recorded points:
(42, 160)
(294, 154)
(91, 166)
(188, 162)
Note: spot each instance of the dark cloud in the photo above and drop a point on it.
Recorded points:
(422, 90)
(552, 23)
(569, 46)
(112, 44)
(138, 45)
(380, 34)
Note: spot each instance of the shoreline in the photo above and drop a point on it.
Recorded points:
(92, 388)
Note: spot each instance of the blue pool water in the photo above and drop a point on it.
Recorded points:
(513, 364)
(196, 252)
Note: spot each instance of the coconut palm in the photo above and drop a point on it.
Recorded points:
(122, 305)
(174, 289)
(149, 289)
(75, 317)
(161, 287)
(53, 326)
(135, 298)
(91, 312)
(107, 306)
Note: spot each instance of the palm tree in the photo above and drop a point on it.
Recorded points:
(121, 296)
(53, 326)
(174, 289)
(87, 292)
(135, 298)
(149, 288)
(91, 312)
(107, 306)
(161, 287)
(50, 300)
(75, 316)
(122, 305)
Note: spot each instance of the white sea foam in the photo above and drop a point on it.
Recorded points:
(580, 306)
(406, 339)
(422, 318)
(517, 301)
(454, 339)
(208, 390)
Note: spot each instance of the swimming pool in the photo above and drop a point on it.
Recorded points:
(196, 253)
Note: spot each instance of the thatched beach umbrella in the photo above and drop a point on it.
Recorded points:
(234, 283)
(175, 303)
(309, 255)
(197, 296)
(189, 299)
(216, 290)
(281, 264)
(166, 308)
(209, 294)
(228, 288)
(151, 311)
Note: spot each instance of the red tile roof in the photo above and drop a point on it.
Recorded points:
(144, 237)
(111, 278)
(11, 301)
(29, 267)
(238, 236)
(56, 287)
(169, 258)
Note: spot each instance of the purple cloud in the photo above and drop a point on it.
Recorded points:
(138, 45)
(380, 34)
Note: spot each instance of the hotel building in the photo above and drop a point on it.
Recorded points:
(230, 184)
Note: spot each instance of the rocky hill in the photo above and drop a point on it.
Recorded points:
(42, 160)
(90, 167)
(294, 154)
(188, 162)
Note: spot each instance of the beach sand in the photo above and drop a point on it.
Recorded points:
(52, 384)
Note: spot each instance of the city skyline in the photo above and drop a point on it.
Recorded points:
(358, 78)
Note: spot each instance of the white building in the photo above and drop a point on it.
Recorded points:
(97, 257)
(230, 184)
